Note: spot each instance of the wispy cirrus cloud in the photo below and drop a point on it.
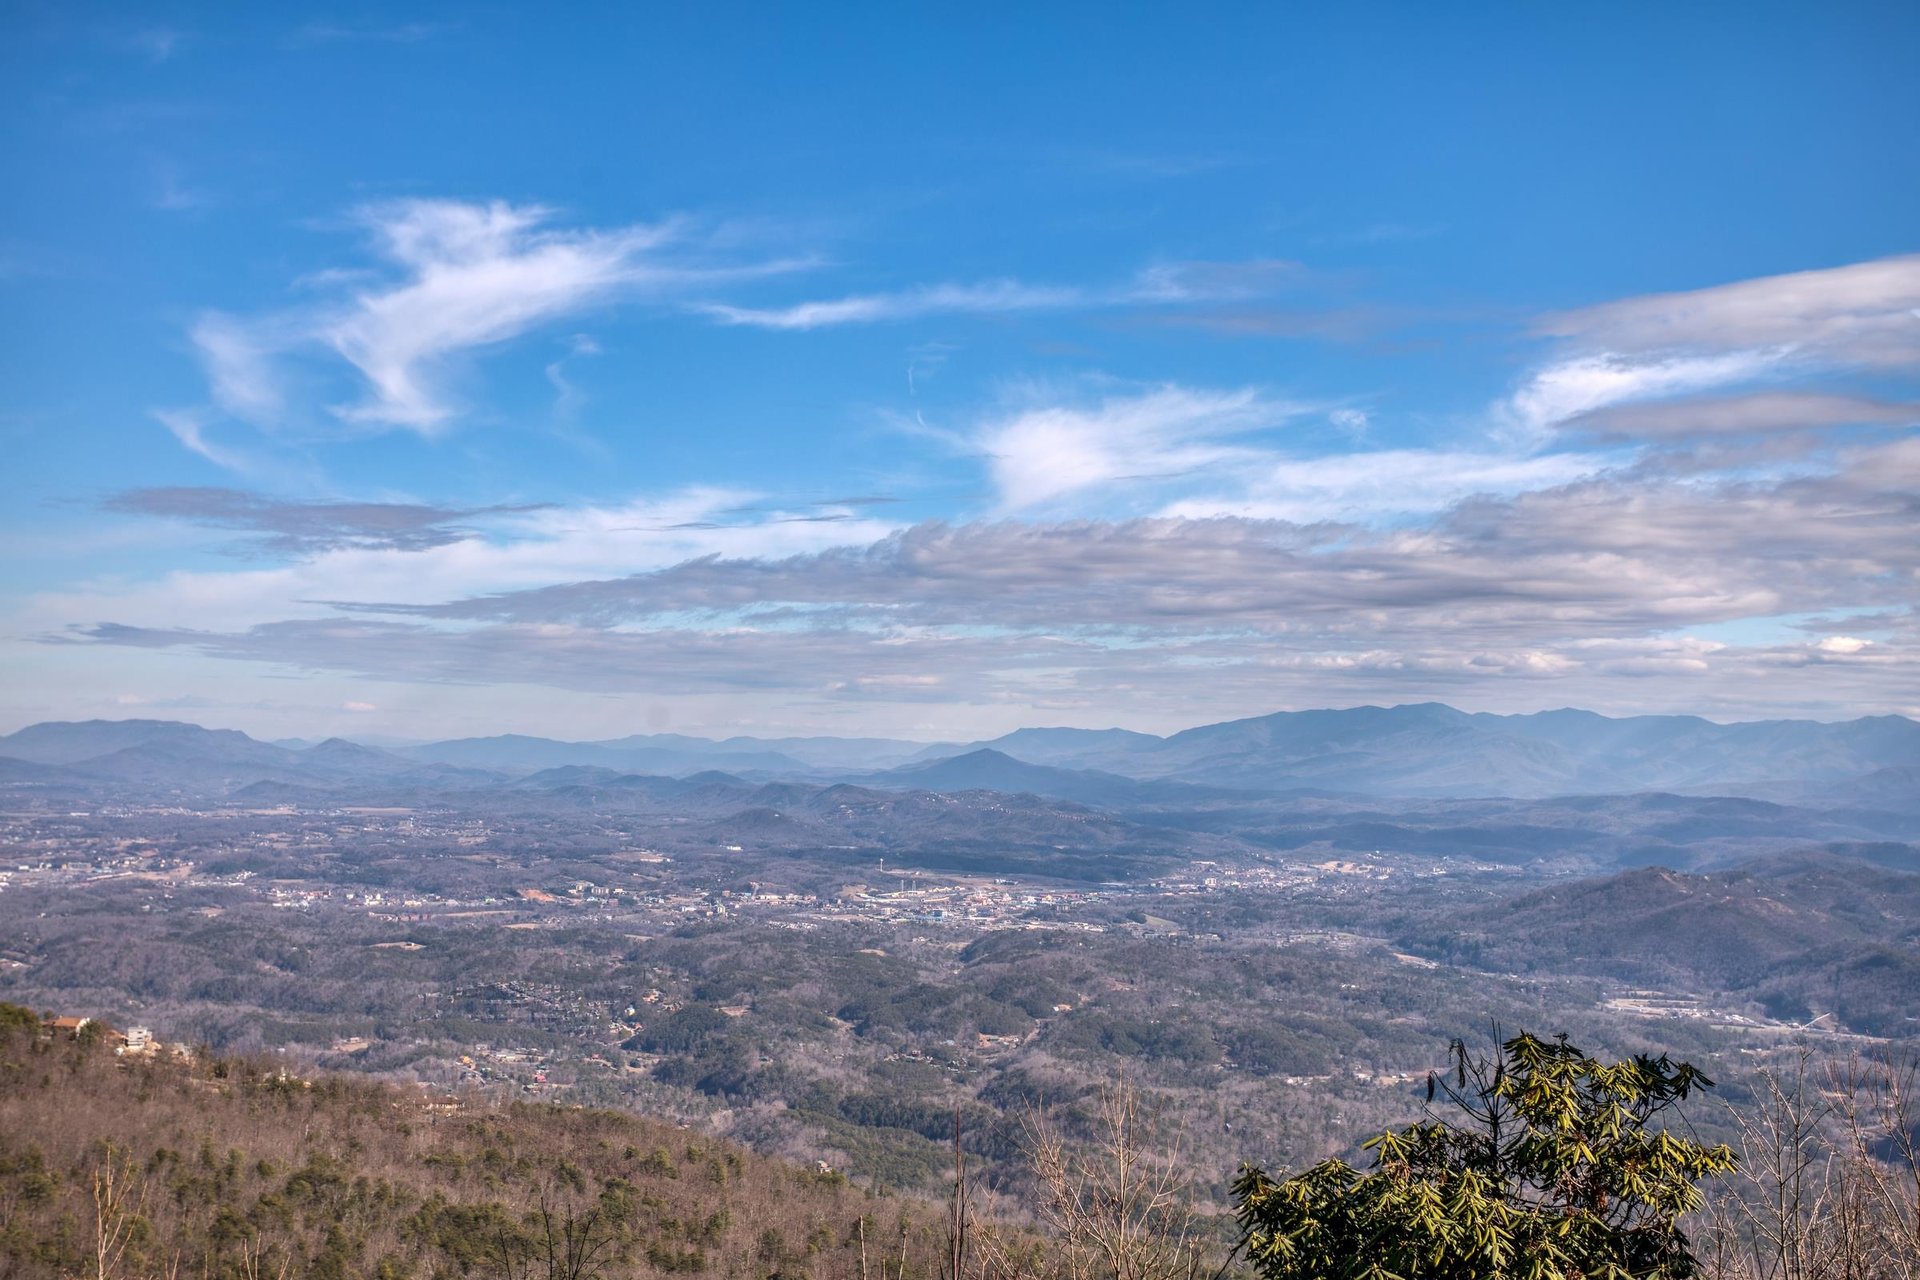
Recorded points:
(1040, 454)
(988, 297)
(1158, 285)
(240, 362)
(472, 276)
(189, 427)
(452, 279)
(1199, 452)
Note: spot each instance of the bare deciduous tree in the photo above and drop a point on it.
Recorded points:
(567, 1240)
(1122, 1210)
(119, 1194)
(1830, 1182)
(257, 1261)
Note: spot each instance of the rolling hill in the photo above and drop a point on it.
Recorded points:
(1801, 934)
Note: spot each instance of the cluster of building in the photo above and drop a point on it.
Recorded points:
(137, 1042)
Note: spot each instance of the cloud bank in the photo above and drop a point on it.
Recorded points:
(1709, 499)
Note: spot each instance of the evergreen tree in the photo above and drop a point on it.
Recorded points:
(1559, 1167)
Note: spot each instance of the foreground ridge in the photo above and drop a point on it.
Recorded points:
(115, 1165)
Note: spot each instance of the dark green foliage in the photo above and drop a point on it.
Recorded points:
(1277, 1051)
(1559, 1171)
(685, 1031)
(1150, 1039)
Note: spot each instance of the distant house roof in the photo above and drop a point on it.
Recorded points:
(73, 1025)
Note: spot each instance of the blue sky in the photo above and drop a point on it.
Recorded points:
(933, 372)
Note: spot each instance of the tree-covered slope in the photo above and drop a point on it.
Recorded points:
(239, 1170)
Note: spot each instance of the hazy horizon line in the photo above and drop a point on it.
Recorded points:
(380, 740)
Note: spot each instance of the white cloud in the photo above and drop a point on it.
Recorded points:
(238, 358)
(567, 397)
(1181, 440)
(1195, 453)
(190, 429)
(475, 276)
(1184, 282)
(1383, 482)
(1865, 314)
(1352, 421)
(993, 296)
(1588, 383)
(1262, 576)
(1163, 284)
(1584, 585)
(1043, 454)
(459, 278)
(508, 551)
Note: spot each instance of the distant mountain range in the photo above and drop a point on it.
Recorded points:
(1429, 749)
(1567, 788)
(671, 753)
(1414, 751)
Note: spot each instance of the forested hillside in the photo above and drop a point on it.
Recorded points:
(122, 1166)
(1801, 936)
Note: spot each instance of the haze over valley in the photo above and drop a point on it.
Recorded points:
(822, 946)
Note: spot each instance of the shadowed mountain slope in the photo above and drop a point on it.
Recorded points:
(1802, 934)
